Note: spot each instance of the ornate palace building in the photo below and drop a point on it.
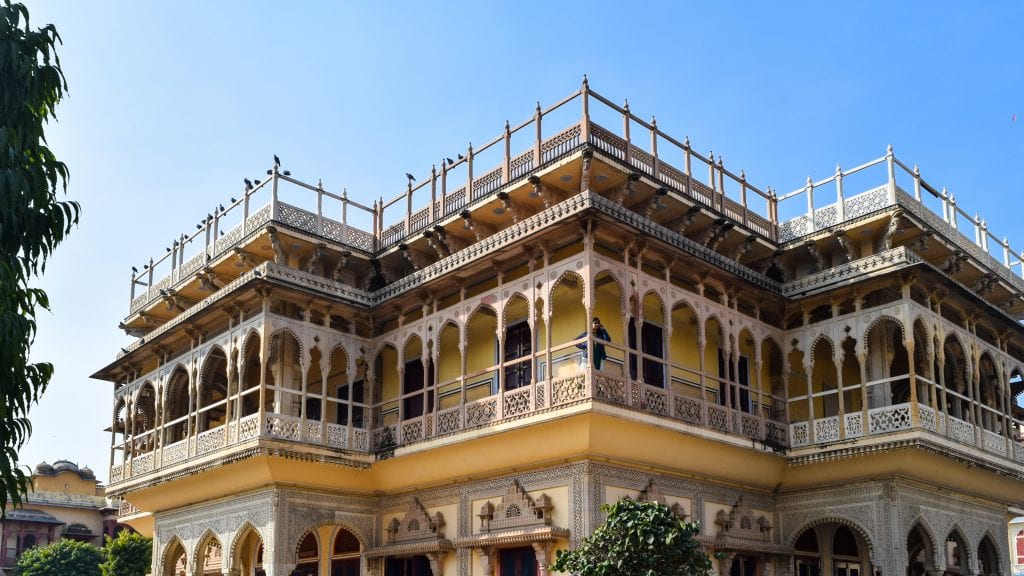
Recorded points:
(824, 379)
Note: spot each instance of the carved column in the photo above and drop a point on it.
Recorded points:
(543, 552)
(915, 416)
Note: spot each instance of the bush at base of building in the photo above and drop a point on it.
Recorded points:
(128, 554)
(637, 539)
(62, 558)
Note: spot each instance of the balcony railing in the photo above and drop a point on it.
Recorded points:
(897, 418)
(225, 437)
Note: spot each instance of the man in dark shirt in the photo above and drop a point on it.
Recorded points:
(600, 334)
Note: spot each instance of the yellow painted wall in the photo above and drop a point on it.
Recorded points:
(449, 360)
(67, 483)
(387, 373)
(559, 517)
(481, 340)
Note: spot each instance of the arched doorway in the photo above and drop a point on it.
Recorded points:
(345, 554)
(920, 551)
(307, 556)
(831, 549)
(248, 557)
(174, 559)
(988, 558)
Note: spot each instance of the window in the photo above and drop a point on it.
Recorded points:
(652, 346)
(356, 390)
(517, 562)
(518, 344)
(1020, 546)
(412, 388)
(743, 378)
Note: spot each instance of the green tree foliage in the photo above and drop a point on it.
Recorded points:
(62, 558)
(129, 554)
(637, 539)
(32, 223)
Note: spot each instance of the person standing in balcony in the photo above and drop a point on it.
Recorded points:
(600, 334)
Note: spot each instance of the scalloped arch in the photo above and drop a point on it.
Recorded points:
(242, 533)
(408, 340)
(970, 556)
(479, 308)
(618, 285)
(926, 529)
(302, 536)
(447, 324)
(249, 335)
(165, 555)
(561, 278)
(289, 330)
(201, 545)
(881, 318)
(834, 519)
(508, 302)
(817, 340)
(666, 317)
(987, 534)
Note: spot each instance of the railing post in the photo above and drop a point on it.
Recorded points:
(917, 183)
(952, 212)
(654, 145)
(711, 174)
(320, 207)
(469, 170)
(840, 201)
(344, 215)
(273, 196)
(773, 212)
(376, 227)
(444, 189)
(890, 162)
(625, 132)
(538, 116)
(1006, 252)
(984, 235)
(149, 275)
(977, 229)
(585, 121)
(721, 182)
(433, 190)
(944, 196)
(245, 212)
(408, 208)
(506, 166)
(687, 165)
(809, 188)
(743, 195)
(132, 296)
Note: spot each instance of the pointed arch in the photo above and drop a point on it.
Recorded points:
(959, 555)
(246, 550)
(566, 277)
(660, 318)
(853, 525)
(989, 559)
(174, 558)
(608, 288)
(208, 551)
(516, 308)
(298, 341)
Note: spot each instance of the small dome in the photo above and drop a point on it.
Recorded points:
(44, 468)
(65, 466)
(86, 473)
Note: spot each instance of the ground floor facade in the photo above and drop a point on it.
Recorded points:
(512, 525)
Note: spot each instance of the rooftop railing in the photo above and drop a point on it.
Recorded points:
(457, 184)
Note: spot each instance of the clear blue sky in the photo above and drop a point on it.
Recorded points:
(173, 103)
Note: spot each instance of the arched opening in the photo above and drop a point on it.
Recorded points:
(797, 387)
(684, 352)
(417, 380)
(211, 558)
(853, 397)
(345, 554)
(175, 562)
(887, 364)
(389, 385)
(988, 557)
(346, 398)
(569, 327)
(919, 551)
(831, 549)
(954, 374)
(284, 379)
(249, 401)
(607, 307)
(314, 407)
(307, 556)
(989, 390)
(648, 338)
(1016, 384)
(518, 343)
(481, 354)
(846, 553)
(824, 385)
(176, 407)
(120, 430)
(248, 557)
(956, 553)
(807, 557)
(922, 365)
(746, 396)
(773, 390)
(449, 368)
(144, 420)
(213, 387)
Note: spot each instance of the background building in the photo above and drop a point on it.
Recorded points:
(824, 379)
(65, 502)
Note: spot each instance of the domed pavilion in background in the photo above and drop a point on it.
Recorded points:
(331, 385)
(65, 502)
